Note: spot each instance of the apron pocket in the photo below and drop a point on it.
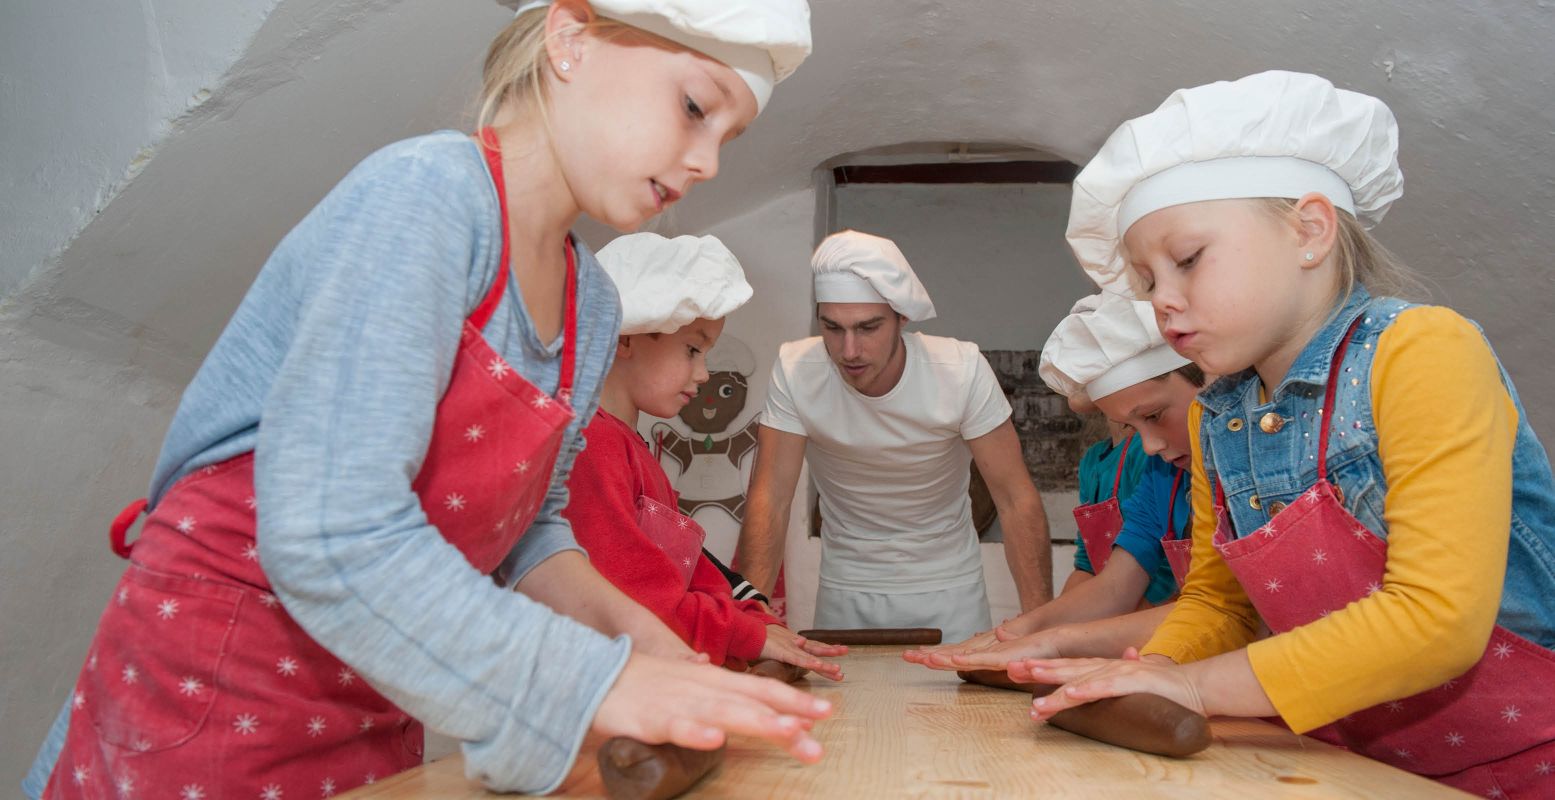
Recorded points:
(151, 677)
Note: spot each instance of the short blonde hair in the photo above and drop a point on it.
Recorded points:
(1362, 259)
(516, 62)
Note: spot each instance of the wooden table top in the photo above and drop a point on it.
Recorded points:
(900, 730)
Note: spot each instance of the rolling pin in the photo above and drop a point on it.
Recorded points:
(632, 770)
(772, 668)
(1145, 722)
(866, 636)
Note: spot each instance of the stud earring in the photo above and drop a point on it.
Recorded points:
(567, 65)
(1309, 255)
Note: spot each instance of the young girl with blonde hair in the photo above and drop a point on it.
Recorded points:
(376, 450)
(1392, 524)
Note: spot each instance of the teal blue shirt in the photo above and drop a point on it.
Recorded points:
(1098, 471)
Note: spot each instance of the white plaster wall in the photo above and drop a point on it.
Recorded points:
(993, 257)
(87, 89)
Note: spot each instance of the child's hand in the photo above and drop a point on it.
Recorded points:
(1086, 679)
(1037, 645)
(657, 700)
(790, 648)
(972, 644)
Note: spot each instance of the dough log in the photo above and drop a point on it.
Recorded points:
(632, 770)
(1145, 722)
(867, 636)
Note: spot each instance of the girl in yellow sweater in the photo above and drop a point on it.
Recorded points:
(1393, 523)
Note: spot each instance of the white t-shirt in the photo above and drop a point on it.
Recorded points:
(892, 471)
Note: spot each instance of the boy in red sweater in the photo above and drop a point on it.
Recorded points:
(674, 296)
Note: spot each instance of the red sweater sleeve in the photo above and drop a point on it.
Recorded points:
(603, 512)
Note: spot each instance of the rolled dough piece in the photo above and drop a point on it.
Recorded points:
(999, 679)
(772, 668)
(632, 770)
(1148, 723)
(1145, 722)
(866, 636)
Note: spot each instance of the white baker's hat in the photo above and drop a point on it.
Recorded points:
(1274, 134)
(1106, 344)
(667, 283)
(853, 267)
(731, 355)
(763, 41)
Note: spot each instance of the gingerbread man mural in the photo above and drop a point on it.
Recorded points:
(710, 462)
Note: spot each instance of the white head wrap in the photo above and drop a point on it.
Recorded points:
(1106, 344)
(1274, 134)
(853, 267)
(763, 41)
(668, 283)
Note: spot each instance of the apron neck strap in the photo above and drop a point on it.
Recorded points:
(1117, 480)
(1171, 506)
(1327, 419)
(488, 305)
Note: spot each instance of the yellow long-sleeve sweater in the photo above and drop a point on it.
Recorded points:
(1445, 429)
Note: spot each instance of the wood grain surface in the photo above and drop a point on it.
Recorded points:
(904, 731)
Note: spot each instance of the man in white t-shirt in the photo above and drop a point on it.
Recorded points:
(888, 421)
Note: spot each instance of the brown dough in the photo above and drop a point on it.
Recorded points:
(866, 636)
(1145, 722)
(1148, 723)
(772, 668)
(635, 771)
(999, 679)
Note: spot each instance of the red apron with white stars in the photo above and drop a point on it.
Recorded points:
(678, 535)
(199, 685)
(1178, 545)
(1100, 523)
(1490, 731)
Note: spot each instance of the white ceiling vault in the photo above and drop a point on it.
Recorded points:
(325, 81)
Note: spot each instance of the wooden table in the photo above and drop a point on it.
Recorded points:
(900, 731)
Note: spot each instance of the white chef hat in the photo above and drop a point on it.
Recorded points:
(666, 284)
(1106, 344)
(763, 41)
(853, 267)
(731, 355)
(1274, 134)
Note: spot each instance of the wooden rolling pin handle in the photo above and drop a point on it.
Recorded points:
(632, 770)
(868, 636)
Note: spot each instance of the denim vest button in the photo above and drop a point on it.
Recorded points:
(1234, 425)
(1255, 502)
(1275, 508)
(1271, 423)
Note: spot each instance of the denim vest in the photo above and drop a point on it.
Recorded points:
(1263, 466)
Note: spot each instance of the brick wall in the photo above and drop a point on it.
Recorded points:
(1051, 436)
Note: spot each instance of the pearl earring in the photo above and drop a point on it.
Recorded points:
(1309, 255)
(567, 65)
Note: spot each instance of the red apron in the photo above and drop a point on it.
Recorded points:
(1490, 731)
(200, 686)
(1178, 545)
(678, 535)
(1100, 523)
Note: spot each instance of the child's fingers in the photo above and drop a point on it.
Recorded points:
(780, 696)
(821, 648)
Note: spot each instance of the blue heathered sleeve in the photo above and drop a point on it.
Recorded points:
(342, 537)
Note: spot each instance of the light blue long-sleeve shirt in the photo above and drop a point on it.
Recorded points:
(331, 371)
